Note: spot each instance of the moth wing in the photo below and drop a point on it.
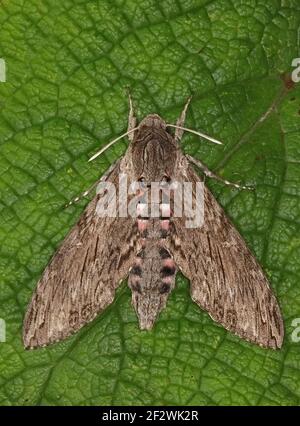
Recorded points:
(225, 278)
(81, 279)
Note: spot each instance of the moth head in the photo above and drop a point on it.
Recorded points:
(154, 121)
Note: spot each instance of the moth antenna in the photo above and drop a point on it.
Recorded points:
(202, 135)
(111, 143)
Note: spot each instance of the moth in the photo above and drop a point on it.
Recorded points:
(99, 253)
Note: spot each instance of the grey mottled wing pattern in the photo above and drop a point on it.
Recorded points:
(225, 278)
(81, 279)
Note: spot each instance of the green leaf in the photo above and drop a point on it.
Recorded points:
(68, 64)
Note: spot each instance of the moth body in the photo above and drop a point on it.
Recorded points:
(152, 277)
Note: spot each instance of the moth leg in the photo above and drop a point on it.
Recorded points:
(181, 120)
(131, 118)
(212, 175)
(89, 190)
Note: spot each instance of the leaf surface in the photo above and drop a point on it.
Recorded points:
(68, 64)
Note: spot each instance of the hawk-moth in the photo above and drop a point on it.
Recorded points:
(100, 252)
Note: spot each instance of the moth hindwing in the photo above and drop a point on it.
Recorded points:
(99, 252)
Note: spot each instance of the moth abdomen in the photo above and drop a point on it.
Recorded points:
(152, 278)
